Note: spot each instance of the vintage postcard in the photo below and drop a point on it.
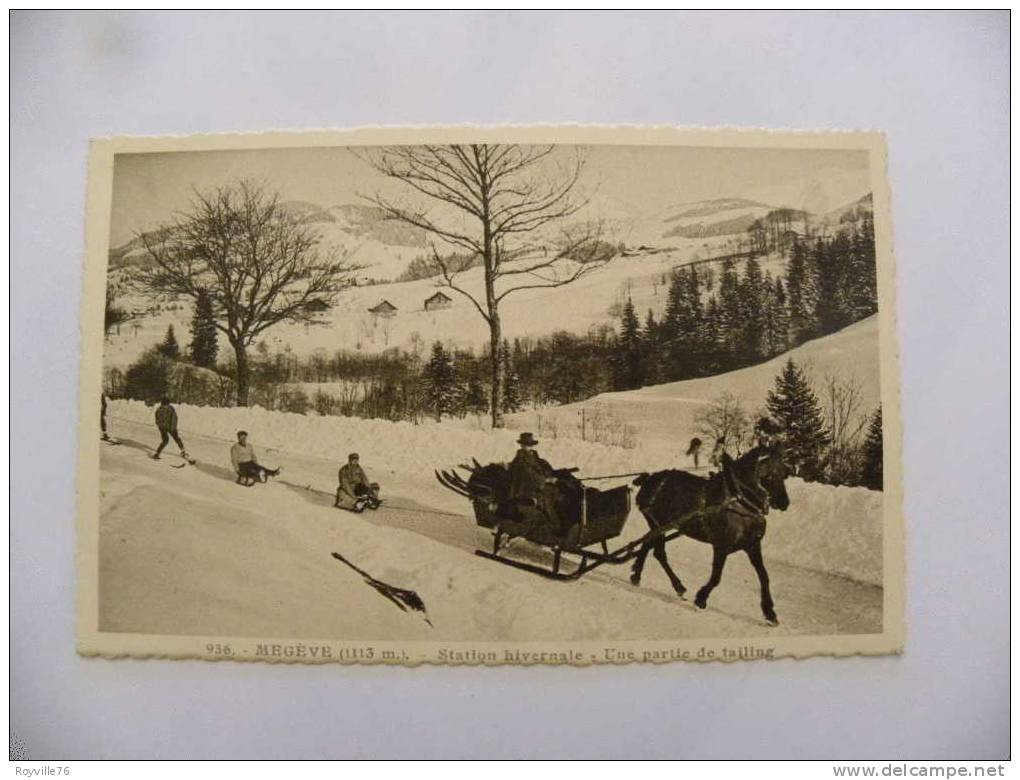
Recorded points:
(569, 395)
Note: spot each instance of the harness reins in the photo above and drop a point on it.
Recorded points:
(738, 503)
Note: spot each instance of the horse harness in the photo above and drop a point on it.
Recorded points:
(738, 503)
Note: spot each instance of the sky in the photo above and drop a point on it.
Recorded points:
(148, 189)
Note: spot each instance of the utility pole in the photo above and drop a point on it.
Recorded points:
(583, 425)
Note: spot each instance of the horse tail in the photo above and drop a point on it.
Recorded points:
(640, 478)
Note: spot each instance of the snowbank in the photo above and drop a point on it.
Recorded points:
(399, 446)
(834, 530)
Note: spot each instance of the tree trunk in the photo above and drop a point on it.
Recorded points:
(495, 336)
(492, 307)
(243, 374)
(498, 374)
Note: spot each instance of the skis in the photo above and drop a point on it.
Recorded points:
(187, 461)
(406, 600)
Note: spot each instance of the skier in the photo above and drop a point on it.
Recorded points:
(102, 417)
(355, 492)
(249, 470)
(694, 451)
(166, 422)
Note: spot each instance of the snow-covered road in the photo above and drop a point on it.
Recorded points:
(188, 551)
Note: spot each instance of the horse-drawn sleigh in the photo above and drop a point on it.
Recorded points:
(726, 510)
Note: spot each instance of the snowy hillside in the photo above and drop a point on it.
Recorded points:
(351, 326)
(384, 249)
(664, 415)
(833, 219)
(722, 217)
(360, 232)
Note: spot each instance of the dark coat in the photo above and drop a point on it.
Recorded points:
(351, 476)
(166, 418)
(528, 474)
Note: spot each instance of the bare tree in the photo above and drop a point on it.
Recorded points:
(845, 422)
(725, 418)
(256, 261)
(500, 203)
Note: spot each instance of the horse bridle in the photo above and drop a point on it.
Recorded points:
(741, 499)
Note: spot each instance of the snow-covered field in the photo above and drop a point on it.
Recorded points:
(187, 551)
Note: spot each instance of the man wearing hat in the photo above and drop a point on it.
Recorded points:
(530, 475)
(355, 491)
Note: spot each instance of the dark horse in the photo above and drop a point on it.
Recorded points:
(726, 511)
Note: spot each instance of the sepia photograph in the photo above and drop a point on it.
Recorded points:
(619, 398)
(503, 385)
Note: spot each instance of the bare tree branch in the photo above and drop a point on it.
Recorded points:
(258, 264)
(511, 193)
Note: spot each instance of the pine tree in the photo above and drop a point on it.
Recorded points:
(439, 381)
(671, 350)
(203, 333)
(792, 404)
(565, 376)
(825, 270)
(519, 360)
(730, 310)
(871, 472)
(669, 328)
(691, 324)
(169, 348)
(800, 297)
(711, 339)
(628, 368)
(678, 332)
(752, 306)
(651, 359)
(861, 272)
(472, 398)
(777, 318)
(512, 397)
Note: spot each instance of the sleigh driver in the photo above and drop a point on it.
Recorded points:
(533, 481)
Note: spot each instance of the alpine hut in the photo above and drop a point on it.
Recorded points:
(438, 301)
(383, 309)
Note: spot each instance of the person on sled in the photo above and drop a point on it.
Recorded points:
(532, 479)
(249, 470)
(355, 492)
(166, 422)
